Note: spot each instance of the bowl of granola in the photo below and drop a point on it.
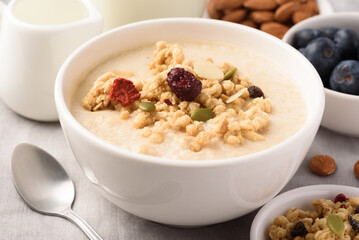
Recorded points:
(184, 127)
(311, 212)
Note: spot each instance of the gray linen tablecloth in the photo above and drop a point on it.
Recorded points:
(18, 222)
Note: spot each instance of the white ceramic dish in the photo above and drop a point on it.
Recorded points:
(300, 198)
(188, 193)
(325, 7)
(340, 112)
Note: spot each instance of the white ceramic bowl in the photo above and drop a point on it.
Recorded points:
(300, 198)
(188, 193)
(340, 114)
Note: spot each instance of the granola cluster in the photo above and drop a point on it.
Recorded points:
(315, 223)
(236, 116)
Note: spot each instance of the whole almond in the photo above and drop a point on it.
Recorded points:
(285, 12)
(356, 169)
(213, 12)
(300, 16)
(322, 165)
(228, 10)
(235, 16)
(309, 6)
(281, 2)
(276, 29)
(261, 16)
(249, 23)
(260, 4)
(227, 4)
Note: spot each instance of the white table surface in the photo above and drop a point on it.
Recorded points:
(18, 222)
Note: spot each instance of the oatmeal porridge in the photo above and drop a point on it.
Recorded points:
(189, 100)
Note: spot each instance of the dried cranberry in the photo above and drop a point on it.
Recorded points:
(184, 84)
(298, 230)
(343, 206)
(340, 198)
(354, 223)
(255, 92)
(356, 210)
(124, 92)
(168, 102)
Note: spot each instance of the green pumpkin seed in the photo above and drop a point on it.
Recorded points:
(230, 73)
(147, 106)
(202, 114)
(335, 224)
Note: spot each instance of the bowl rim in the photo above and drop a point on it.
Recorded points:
(332, 93)
(289, 196)
(65, 114)
(319, 18)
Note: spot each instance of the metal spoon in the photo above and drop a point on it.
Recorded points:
(45, 186)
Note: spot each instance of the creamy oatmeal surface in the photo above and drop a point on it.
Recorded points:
(236, 122)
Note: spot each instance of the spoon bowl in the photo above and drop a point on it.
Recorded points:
(44, 185)
(41, 181)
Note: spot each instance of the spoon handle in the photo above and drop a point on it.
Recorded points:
(74, 217)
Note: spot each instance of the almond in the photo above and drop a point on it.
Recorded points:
(235, 16)
(285, 12)
(227, 4)
(322, 165)
(213, 12)
(356, 169)
(300, 16)
(276, 29)
(262, 16)
(260, 4)
(309, 6)
(207, 70)
(249, 23)
(228, 11)
(281, 2)
(236, 95)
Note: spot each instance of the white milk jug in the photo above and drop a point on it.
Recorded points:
(36, 36)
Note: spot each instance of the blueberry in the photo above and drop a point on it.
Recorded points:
(345, 77)
(330, 32)
(302, 50)
(324, 56)
(303, 37)
(347, 42)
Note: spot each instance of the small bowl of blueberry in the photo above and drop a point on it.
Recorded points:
(331, 44)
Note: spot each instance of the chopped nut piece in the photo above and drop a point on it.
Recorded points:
(236, 95)
(207, 70)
